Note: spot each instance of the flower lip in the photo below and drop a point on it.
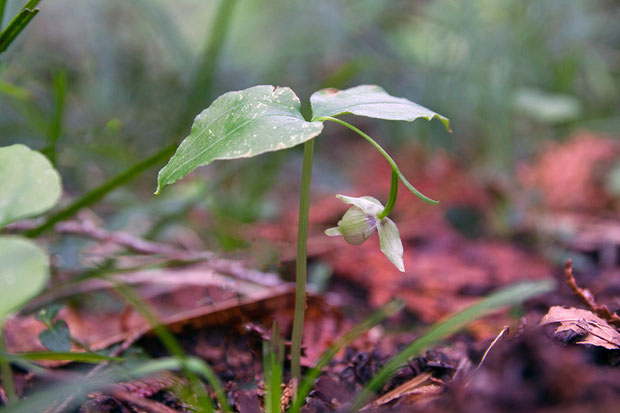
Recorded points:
(355, 226)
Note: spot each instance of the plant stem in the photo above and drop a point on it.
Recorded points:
(385, 155)
(2, 9)
(55, 124)
(392, 199)
(202, 87)
(19, 22)
(301, 265)
(6, 374)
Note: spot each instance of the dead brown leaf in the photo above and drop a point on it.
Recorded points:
(583, 322)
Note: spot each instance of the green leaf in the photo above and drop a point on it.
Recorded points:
(23, 273)
(371, 101)
(241, 124)
(57, 338)
(18, 24)
(30, 184)
(64, 356)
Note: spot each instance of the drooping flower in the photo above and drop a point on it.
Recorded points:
(361, 221)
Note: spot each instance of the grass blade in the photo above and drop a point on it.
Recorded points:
(375, 318)
(512, 295)
(64, 356)
(14, 28)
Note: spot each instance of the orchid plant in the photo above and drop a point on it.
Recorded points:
(261, 119)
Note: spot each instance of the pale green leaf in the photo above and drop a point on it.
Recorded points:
(371, 101)
(241, 124)
(23, 273)
(29, 183)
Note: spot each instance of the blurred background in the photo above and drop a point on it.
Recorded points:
(101, 85)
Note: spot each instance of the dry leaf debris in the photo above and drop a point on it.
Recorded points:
(591, 328)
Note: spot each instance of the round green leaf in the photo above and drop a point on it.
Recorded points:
(30, 184)
(371, 101)
(241, 124)
(23, 273)
(57, 338)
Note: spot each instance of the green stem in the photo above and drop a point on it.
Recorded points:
(205, 70)
(382, 152)
(55, 124)
(392, 199)
(6, 374)
(302, 244)
(19, 22)
(2, 8)
(96, 194)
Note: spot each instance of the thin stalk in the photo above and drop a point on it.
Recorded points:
(55, 124)
(392, 199)
(19, 22)
(2, 8)
(96, 194)
(385, 155)
(301, 265)
(6, 374)
(205, 70)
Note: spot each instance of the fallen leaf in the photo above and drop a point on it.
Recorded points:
(595, 330)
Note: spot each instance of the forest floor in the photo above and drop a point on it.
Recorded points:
(485, 234)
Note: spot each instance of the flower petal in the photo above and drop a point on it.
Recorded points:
(368, 204)
(333, 232)
(391, 245)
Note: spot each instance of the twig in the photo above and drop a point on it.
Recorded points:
(505, 330)
(142, 246)
(586, 296)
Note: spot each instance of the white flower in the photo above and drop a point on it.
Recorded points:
(361, 221)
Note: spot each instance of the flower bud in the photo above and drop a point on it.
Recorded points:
(355, 226)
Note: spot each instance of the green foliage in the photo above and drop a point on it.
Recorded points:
(371, 101)
(260, 119)
(87, 357)
(23, 273)
(56, 337)
(241, 125)
(273, 359)
(30, 185)
(15, 27)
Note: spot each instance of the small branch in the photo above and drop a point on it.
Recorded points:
(134, 243)
(98, 193)
(142, 246)
(586, 296)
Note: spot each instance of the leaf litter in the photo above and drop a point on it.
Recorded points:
(224, 319)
